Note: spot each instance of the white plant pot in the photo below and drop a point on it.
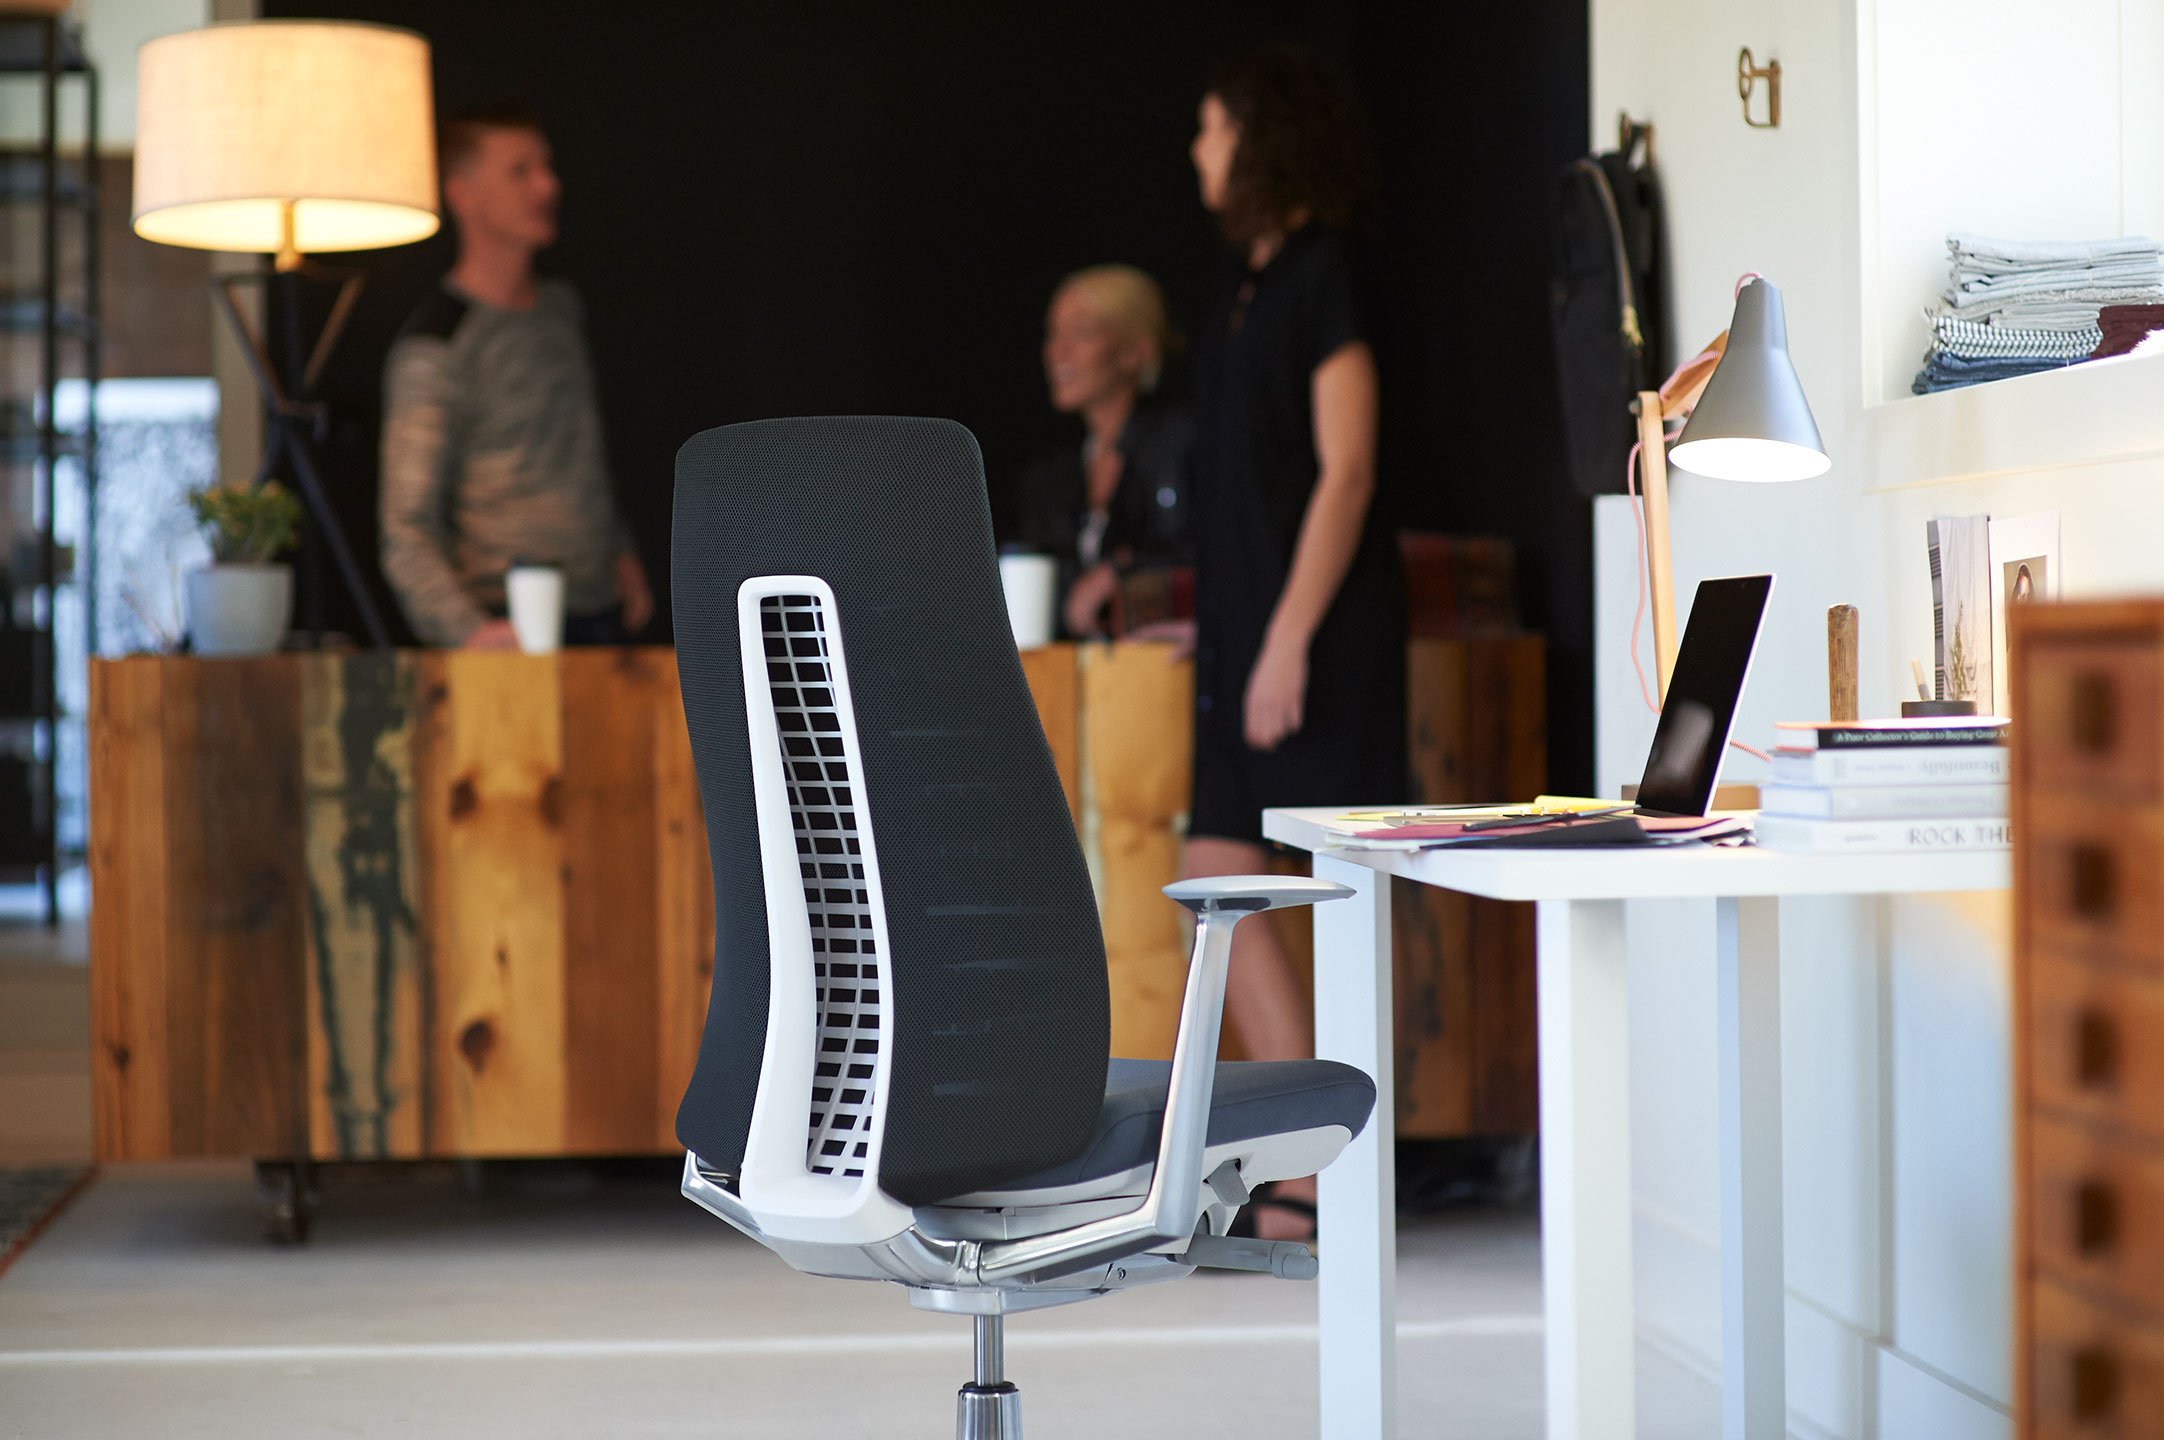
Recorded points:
(239, 609)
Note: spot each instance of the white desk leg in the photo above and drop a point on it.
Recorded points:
(1585, 1171)
(1358, 1288)
(1753, 1287)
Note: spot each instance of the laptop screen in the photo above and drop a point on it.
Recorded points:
(1700, 712)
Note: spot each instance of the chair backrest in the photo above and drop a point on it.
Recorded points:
(909, 977)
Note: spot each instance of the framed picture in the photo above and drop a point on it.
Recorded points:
(2024, 570)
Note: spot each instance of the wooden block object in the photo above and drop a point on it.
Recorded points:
(1841, 639)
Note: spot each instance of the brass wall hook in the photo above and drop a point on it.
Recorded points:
(1748, 73)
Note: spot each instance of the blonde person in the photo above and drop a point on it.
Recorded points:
(1117, 502)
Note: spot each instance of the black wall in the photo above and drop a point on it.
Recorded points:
(861, 207)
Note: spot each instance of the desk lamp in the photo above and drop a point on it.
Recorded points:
(284, 138)
(1748, 420)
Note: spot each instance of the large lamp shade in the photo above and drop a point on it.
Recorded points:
(285, 136)
(1753, 423)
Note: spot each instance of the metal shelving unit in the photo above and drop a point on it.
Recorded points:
(62, 322)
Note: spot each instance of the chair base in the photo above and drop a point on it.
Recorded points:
(988, 1412)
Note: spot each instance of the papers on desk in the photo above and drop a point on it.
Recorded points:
(1548, 822)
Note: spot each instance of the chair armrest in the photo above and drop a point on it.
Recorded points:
(1247, 894)
(1168, 1211)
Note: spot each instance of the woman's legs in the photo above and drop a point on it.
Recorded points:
(1264, 1001)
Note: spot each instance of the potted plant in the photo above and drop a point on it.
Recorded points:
(242, 602)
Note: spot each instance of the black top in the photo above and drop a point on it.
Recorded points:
(1255, 460)
(1146, 520)
(1255, 472)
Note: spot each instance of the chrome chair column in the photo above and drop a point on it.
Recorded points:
(988, 1407)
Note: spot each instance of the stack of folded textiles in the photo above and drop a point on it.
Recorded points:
(2014, 307)
(2125, 326)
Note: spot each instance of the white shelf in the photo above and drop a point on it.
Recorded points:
(2099, 412)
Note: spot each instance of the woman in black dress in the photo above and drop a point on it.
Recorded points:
(1300, 644)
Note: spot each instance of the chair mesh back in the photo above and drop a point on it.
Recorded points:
(996, 976)
(847, 970)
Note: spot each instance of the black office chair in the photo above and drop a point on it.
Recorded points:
(905, 1072)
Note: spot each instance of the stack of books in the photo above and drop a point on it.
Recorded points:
(1879, 785)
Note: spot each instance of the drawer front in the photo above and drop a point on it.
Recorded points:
(2096, 1212)
(2096, 1044)
(2089, 715)
(2094, 1373)
(2094, 880)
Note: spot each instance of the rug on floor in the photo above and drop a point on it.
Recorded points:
(30, 1199)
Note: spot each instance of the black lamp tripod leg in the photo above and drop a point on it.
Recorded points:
(284, 437)
(334, 538)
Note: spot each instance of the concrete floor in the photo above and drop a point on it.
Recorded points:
(44, 1029)
(559, 1305)
(554, 1303)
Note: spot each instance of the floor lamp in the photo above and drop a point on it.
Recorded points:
(285, 138)
(1748, 420)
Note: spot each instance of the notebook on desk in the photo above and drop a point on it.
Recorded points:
(1682, 768)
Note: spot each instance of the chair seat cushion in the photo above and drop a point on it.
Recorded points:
(1251, 1099)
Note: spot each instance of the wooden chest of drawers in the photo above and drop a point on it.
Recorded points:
(2088, 684)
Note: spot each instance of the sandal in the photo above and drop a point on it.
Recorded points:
(1243, 1224)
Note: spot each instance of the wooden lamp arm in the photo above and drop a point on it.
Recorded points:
(1656, 408)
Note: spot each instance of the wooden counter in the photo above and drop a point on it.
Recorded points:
(448, 904)
(388, 906)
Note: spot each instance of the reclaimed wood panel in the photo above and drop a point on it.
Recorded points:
(684, 909)
(1055, 683)
(1465, 1024)
(371, 906)
(1506, 1065)
(131, 1110)
(492, 814)
(234, 914)
(445, 904)
(610, 990)
(366, 1012)
(1135, 761)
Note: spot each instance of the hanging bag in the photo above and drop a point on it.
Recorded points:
(1608, 304)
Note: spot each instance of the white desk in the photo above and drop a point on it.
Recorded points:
(1585, 1202)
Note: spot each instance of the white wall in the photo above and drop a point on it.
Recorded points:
(112, 32)
(1903, 119)
(2070, 144)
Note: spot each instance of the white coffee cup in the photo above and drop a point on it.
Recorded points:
(535, 594)
(1031, 583)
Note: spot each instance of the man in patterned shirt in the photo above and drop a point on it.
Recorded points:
(492, 442)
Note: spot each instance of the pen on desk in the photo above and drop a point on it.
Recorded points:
(1553, 817)
(1923, 691)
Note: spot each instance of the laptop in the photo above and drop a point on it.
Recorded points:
(1682, 768)
(1699, 716)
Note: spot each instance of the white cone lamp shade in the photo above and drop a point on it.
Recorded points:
(1753, 423)
(285, 137)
